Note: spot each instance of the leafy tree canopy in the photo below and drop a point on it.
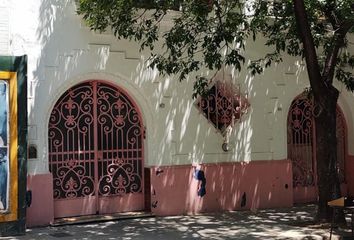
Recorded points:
(211, 33)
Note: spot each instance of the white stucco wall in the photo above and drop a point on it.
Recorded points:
(4, 27)
(62, 51)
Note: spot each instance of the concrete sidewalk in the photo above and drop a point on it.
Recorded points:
(289, 223)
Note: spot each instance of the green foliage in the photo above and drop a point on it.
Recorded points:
(346, 77)
(213, 33)
(200, 87)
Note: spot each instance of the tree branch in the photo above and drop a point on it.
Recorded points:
(306, 37)
(332, 57)
(329, 11)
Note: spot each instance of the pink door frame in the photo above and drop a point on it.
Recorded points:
(302, 145)
(96, 151)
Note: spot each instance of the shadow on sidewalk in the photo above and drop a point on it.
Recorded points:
(288, 223)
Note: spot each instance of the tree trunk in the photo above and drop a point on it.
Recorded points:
(326, 153)
(326, 97)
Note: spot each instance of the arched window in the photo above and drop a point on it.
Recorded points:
(301, 138)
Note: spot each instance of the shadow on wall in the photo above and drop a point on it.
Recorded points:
(49, 72)
(229, 186)
(180, 135)
(60, 36)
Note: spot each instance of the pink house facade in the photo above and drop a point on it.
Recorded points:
(107, 134)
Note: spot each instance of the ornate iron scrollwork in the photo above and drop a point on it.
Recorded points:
(301, 138)
(95, 143)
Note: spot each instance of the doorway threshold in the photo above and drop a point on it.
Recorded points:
(100, 218)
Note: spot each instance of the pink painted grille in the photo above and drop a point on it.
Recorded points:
(222, 105)
(119, 143)
(341, 145)
(71, 143)
(301, 140)
(95, 143)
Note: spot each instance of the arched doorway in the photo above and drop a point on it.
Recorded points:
(302, 145)
(96, 153)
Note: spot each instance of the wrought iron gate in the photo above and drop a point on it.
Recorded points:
(301, 148)
(96, 151)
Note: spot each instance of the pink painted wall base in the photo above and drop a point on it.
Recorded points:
(229, 186)
(305, 194)
(174, 189)
(350, 175)
(41, 211)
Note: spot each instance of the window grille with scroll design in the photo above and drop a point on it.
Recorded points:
(222, 105)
